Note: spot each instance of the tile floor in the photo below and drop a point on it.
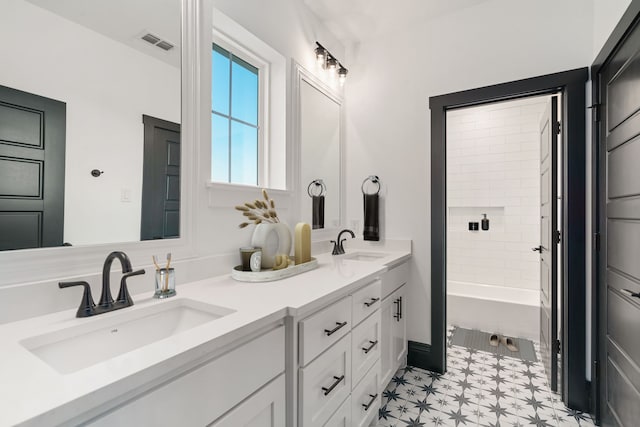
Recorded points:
(479, 389)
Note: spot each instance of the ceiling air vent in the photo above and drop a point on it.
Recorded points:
(165, 45)
(157, 41)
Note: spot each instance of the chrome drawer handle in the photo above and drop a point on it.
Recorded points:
(632, 294)
(368, 349)
(373, 399)
(371, 302)
(332, 331)
(334, 385)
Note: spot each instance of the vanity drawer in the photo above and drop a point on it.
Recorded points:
(365, 347)
(320, 330)
(342, 417)
(366, 301)
(394, 278)
(325, 384)
(365, 400)
(205, 393)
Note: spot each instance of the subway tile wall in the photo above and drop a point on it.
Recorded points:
(493, 167)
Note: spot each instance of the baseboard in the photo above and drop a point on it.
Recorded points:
(421, 356)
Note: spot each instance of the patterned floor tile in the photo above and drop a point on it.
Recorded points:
(478, 389)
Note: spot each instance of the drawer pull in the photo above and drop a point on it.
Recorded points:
(332, 331)
(371, 302)
(373, 399)
(368, 349)
(334, 385)
(632, 294)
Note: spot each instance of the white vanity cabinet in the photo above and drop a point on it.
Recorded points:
(339, 361)
(393, 324)
(250, 375)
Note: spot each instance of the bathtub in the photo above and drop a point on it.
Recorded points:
(508, 311)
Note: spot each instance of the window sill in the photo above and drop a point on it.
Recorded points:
(229, 195)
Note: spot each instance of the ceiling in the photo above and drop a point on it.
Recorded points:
(357, 20)
(126, 21)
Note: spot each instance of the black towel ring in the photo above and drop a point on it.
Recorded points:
(317, 183)
(374, 179)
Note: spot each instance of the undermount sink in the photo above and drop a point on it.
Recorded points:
(365, 256)
(100, 339)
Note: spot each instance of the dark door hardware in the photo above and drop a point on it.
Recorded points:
(632, 294)
(88, 307)
(373, 399)
(96, 173)
(328, 390)
(371, 302)
(368, 349)
(537, 249)
(332, 331)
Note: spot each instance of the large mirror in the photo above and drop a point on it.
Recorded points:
(90, 107)
(320, 153)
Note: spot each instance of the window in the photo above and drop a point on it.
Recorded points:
(249, 104)
(235, 119)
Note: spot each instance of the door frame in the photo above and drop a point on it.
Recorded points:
(572, 85)
(598, 208)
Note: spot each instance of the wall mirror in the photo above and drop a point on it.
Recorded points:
(320, 153)
(90, 111)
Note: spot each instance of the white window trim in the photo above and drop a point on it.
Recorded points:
(274, 171)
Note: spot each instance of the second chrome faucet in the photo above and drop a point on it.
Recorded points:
(88, 307)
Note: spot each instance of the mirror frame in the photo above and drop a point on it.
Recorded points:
(32, 265)
(301, 75)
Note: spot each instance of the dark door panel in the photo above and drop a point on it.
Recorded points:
(32, 155)
(619, 269)
(161, 180)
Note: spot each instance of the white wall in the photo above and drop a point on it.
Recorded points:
(107, 87)
(493, 167)
(606, 14)
(292, 30)
(392, 78)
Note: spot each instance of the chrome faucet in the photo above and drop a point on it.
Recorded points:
(88, 307)
(338, 249)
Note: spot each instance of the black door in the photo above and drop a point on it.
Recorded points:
(32, 153)
(548, 248)
(161, 180)
(619, 270)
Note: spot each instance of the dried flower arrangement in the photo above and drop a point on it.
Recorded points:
(259, 211)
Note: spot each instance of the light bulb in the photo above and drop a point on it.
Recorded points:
(342, 75)
(321, 56)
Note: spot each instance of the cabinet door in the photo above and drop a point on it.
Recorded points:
(387, 362)
(399, 329)
(266, 408)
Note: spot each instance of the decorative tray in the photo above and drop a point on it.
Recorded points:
(270, 275)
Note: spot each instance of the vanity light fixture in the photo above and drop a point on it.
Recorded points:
(342, 75)
(329, 62)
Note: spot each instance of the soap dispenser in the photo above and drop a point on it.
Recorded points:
(485, 223)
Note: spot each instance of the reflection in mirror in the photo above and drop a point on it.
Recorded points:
(320, 167)
(89, 86)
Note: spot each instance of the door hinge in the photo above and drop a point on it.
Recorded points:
(595, 112)
(557, 236)
(557, 128)
(556, 347)
(596, 241)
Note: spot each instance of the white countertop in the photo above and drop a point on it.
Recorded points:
(33, 393)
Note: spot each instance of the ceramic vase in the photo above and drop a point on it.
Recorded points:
(274, 239)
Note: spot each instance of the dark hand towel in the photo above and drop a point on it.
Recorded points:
(318, 212)
(371, 217)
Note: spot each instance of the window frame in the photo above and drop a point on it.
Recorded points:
(263, 66)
